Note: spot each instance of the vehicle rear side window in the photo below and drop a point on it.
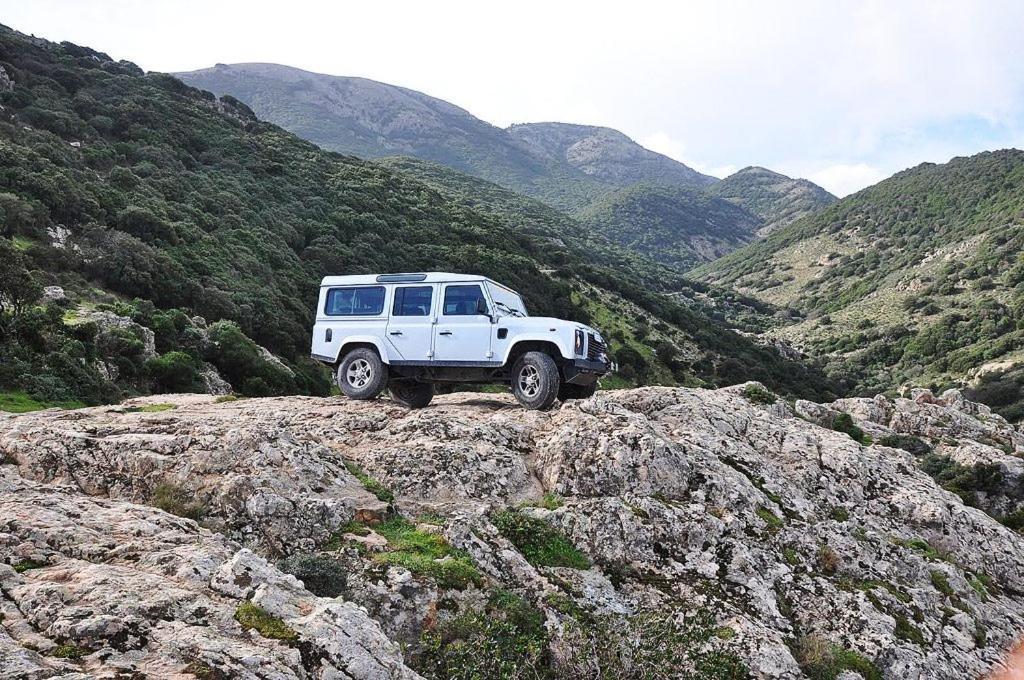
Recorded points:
(413, 301)
(363, 301)
(463, 300)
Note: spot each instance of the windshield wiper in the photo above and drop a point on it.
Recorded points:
(513, 312)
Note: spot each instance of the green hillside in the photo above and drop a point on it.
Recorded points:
(677, 226)
(148, 199)
(918, 279)
(776, 199)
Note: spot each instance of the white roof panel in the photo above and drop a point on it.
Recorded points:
(431, 277)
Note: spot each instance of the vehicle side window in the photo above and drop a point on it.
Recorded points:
(412, 301)
(364, 301)
(463, 300)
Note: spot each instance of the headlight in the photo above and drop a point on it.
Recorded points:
(579, 342)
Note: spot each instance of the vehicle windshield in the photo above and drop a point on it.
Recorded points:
(506, 302)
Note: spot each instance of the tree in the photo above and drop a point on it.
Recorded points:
(18, 289)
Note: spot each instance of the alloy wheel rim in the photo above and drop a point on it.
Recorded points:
(359, 373)
(529, 381)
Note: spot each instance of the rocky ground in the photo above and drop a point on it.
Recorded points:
(655, 532)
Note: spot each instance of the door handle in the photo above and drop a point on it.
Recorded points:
(396, 332)
(445, 333)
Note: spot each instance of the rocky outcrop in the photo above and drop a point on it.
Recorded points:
(783, 534)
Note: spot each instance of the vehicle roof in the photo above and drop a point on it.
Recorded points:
(431, 277)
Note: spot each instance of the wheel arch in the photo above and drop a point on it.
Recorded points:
(368, 342)
(521, 347)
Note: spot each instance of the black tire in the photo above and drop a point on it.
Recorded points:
(361, 374)
(535, 380)
(567, 391)
(411, 393)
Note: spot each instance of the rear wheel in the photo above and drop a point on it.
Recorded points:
(535, 380)
(567, 391)
(361, 374)
(411, 393)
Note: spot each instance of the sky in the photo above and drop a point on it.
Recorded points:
(842, 93)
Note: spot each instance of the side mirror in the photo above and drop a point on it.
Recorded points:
(481, 309)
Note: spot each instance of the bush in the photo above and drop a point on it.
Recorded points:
(822, 660)
(909, 443)
(322, 575)
(541, 544)
(177, 501)
(758, 394)
(174, 372)
(844, 423)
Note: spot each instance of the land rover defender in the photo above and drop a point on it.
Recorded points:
(408, 332)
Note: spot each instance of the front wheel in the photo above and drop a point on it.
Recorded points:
(411, 393)
(535, 380)
(568, 391)
(361, 374)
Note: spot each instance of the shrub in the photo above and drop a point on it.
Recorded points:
(965, 481)
(253, 617)
(322, 575)
(69, 652)
(758, 394)
(174, 372)
(773, 521)
(941, 583)
(905, 630)
(844, 423)
(828, 560)
(549, 501)
(177, 501)
(541, 544)
(821, 660)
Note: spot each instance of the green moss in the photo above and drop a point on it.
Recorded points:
(426, 554)
(370, 484)
(177, 501)
(69, 652)
(905, 630)
(758, 395)
(25, 565)
(20, 402)
(541, 544)
(253, 617)
(725, 633)
(151, 408)
(791, 556)
(773, 521)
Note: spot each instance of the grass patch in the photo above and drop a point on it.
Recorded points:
(867, 585)
(256, 618)
(369, 483)
(426, 554)
(69, 652)
(759, 395)
(541, 544)
(919, 545)
(151, 408)
(20, 402)
(549, 501)
(978, 586)
(844, 423)
(941, 583)
(822, 660)
(791, 556)
(224, 398)
(773, 521)
(177, 501)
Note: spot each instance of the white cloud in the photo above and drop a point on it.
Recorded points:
(843, 179)
(664, 144)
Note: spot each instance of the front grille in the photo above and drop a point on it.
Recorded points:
(596, 350)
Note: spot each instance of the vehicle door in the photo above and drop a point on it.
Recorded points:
(410, 328)
(463, 330)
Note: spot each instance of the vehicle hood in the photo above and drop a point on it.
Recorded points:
(545, 324)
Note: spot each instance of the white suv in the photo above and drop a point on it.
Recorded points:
(409, 331)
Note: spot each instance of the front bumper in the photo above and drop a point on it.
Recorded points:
(586, 372)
